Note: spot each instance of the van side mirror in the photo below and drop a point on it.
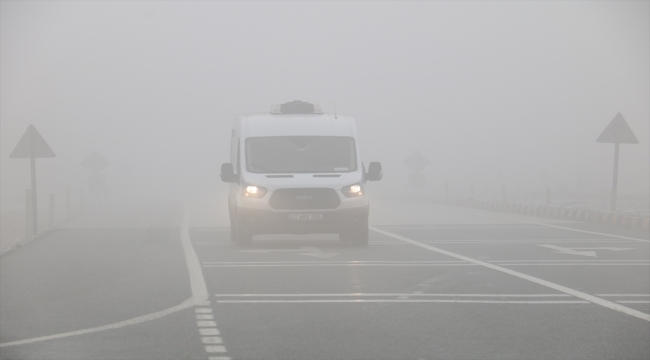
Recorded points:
(375, 172)
(227, 173)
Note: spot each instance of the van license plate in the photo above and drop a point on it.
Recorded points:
(305, 217)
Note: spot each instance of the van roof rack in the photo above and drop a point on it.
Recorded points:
(296, 107)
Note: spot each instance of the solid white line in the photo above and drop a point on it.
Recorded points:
(572, 261)
(624, 295)
(564, 289)
(197, 282)
(403, 301)
(576, 264)
(316, 265)
(526, 241)
(548, 225)
(199, 296)
(391, 294)
(328, 262)
(634, 301)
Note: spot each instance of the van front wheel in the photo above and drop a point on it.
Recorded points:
(243, 238)
(358, 237)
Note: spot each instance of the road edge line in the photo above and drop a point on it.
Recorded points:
(184, 305)
(197, 282)
(564, 289)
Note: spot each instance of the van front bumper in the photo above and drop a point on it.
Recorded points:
(256, 221)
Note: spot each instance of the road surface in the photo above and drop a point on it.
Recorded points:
(163, 281)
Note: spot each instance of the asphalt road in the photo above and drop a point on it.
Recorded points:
(163, 281)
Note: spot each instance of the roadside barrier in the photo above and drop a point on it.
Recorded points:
(555, 212)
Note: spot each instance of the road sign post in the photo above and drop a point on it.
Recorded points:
(416, 162)
(31, 146)
(617, 132)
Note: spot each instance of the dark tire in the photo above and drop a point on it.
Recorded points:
(233, 230)
(358, 237)
(243, 238)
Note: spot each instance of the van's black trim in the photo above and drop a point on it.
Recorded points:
(277, 222)
(304, 199)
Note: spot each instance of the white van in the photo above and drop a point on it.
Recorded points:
(297, 170)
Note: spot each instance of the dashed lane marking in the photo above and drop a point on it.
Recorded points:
(564, 289)
(209, 332)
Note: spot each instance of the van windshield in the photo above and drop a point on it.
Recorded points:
(300, 154)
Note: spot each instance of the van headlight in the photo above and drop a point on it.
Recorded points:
(352, 190)
(254, 191)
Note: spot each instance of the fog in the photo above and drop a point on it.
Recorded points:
(492, 93)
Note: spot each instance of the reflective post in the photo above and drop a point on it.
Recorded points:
(68, 204)
(29, 225)
(81, 201)
(33, 195)
(612, 206)
(51, 214)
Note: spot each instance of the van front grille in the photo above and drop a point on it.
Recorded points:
(304, 199)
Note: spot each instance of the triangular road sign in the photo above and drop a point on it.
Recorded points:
(32, 145)
(416, 162)
(618, 131)
(95, 163)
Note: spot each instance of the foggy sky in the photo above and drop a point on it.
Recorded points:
(490, 92)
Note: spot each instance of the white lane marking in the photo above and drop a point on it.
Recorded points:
(332, 262)
(202, 310)
(564, 289)
(204, 317)
(315, 265)
(522, 241)
(205, 323)
(184, 305)
(574, 264)
(304, 250)
(580, 251)
(218, 358)
(353, 301)
(209, 331)
(624, 295)
(211, 340)
(210, 229)
(215, 349)
(547, 225)
(391, 294)
(199, 295)
(634, 301)
(564, 260)
(197, 282)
